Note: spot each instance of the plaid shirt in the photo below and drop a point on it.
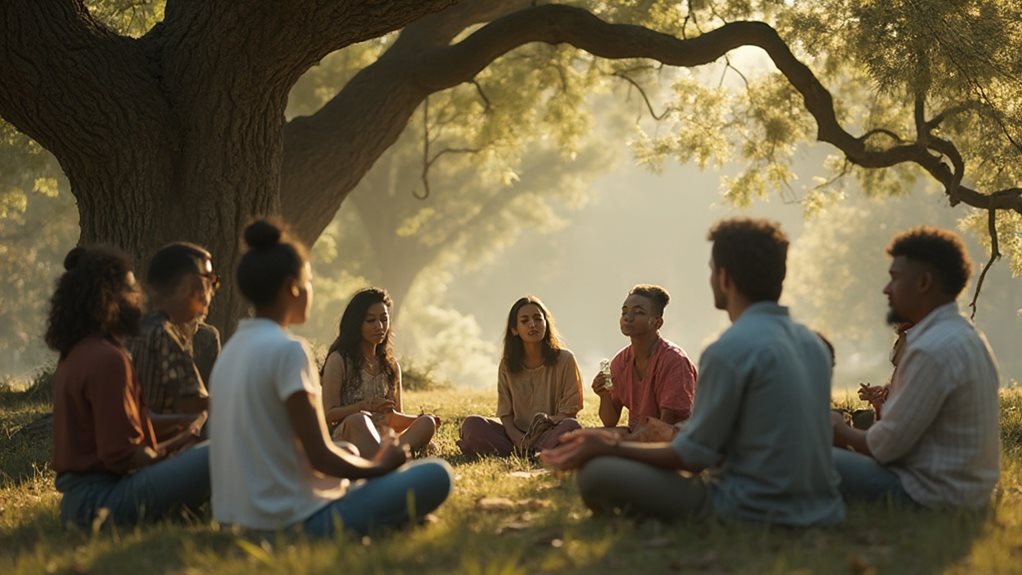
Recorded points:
(162, 357)
(941, 429)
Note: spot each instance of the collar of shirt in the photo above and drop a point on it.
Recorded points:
(765, 308)
(936, 316)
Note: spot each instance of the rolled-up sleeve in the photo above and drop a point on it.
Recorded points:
(717, 403)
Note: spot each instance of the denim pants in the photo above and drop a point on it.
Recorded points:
(152, 493)
(405, 494)
(864, 479)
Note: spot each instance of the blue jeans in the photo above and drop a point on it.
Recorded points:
(864, 479)
(408, 493)
(150, 494)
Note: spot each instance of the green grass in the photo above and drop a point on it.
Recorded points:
(552, 533)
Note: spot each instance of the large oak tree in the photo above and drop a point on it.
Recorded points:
(181, 132)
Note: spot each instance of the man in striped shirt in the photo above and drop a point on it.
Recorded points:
(938, 444)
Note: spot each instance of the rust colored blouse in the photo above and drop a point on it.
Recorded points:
(99, 414)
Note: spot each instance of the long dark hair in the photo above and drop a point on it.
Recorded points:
(90, 298)
(349, 335)
(514, 349)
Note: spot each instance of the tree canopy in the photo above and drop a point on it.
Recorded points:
(169, 119)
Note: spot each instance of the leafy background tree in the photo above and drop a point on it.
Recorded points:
(906, 91)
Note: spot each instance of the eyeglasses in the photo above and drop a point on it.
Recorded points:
(208, 273)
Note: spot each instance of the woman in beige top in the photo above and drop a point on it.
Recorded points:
(539, 389)
(362, 380)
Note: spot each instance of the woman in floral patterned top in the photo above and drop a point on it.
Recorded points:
(362, 380)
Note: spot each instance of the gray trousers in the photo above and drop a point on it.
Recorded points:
(612, 484)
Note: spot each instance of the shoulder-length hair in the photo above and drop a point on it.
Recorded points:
(89, 298)
(514, 349)
(349, 335)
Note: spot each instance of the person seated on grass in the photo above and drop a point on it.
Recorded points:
(652, 377)
(272, 461)
(362, 380)
(110, 467)
(181, 283)
(938, 443)
(539, 388)
(760, 423)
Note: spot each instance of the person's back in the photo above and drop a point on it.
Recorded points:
(261, 478)
(782, 421)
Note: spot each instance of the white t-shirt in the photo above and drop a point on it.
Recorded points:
(261, 476)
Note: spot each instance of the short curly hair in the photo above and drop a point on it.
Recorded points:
(655, 293)
(754, 253)
(941, 249)
(89, 296)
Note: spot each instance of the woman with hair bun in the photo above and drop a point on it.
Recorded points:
(362, 379)
(272, 461)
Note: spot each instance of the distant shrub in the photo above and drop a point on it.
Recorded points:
(419, 377)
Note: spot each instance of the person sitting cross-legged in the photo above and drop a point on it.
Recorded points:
(109, 465)
(272, 461)
(760, 423)
(539, 388)
(938, 442)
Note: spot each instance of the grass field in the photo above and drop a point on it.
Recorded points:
(542, 529)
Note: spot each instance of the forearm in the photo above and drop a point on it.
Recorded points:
(166, 425)
(336, 462)
(672, 416)
(337, 413)
(851, 438)
(609, 413)
(141, 457)
(193, 404)
(660, 455)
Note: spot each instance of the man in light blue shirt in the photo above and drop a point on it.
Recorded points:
(761, 420)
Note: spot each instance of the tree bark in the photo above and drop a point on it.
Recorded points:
(177, 135)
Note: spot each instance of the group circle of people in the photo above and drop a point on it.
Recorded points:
(290, 446)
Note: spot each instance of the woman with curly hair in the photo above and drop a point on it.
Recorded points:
(273, 464)
(362, 379)
(539, 388)
(105, 449)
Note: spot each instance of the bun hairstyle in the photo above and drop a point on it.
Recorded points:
(272, 258)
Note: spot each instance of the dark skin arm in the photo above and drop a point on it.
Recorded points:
(307, 422)
(610, 408)
(168, 425)
(578, 447)
(143, 455)
(848, 437)
(671, 416)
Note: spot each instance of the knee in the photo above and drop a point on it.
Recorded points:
(472, 426)
(427, 424)
(437, 474)
(595, 476)
(569, 424)
(356, 421)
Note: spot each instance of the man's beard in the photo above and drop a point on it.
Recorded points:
(894, 318)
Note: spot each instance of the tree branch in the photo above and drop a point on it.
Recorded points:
(995, 254)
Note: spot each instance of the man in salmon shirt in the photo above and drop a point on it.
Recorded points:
(652, 377)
